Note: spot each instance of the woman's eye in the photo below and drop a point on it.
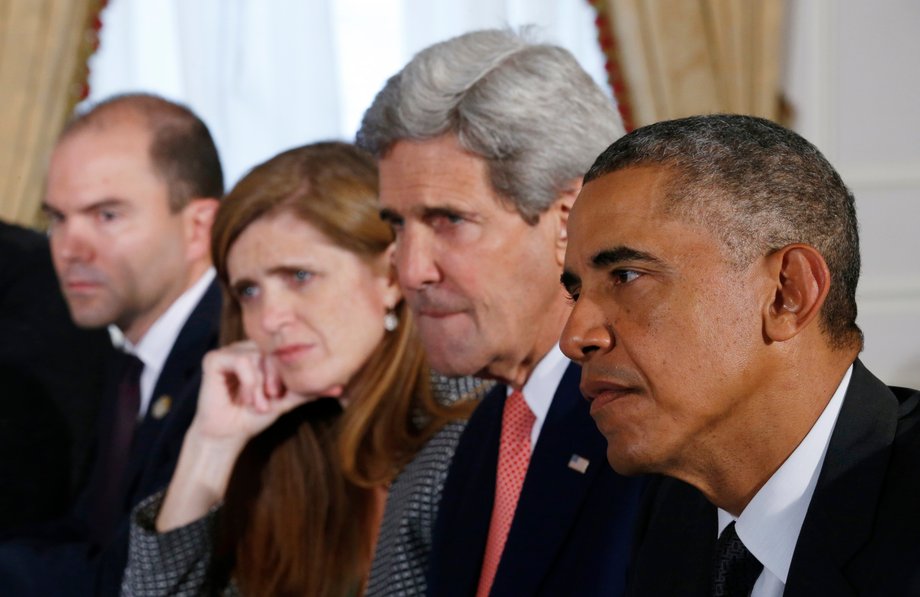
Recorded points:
(302, 275)
(246, 293)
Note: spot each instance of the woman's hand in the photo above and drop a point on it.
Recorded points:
(241, 395)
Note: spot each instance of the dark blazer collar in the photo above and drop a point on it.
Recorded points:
(197, 336)
(180, 377)
(849, 486)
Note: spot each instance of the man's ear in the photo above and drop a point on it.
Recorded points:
(198, 216)
(801, 282)
(389, 281)
(560, 210)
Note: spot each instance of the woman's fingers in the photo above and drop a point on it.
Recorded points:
(273, 386)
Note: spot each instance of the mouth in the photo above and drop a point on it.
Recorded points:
(291, 352)
(76, 286)
(601, 393)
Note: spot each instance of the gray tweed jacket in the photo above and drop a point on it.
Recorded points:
(177, 563)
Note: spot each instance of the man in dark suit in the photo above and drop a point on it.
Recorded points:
(713, 262)
(51, 375)
(482, 142)
(131, 193)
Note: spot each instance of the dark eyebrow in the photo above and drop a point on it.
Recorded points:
(432, 212)
(237, 286)
(620, 254)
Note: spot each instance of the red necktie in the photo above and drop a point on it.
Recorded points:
(513, 458)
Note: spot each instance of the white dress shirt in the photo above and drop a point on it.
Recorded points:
(769, 526)
(157, 343)
(541, 387)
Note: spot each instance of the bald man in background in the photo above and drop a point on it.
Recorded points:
(132, 189)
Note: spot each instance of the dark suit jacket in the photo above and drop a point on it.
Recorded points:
(72, 557)
(861, 534)
(51, 377)
(571, 531)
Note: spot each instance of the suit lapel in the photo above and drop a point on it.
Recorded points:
(183, 365)
(553, 492)
(466, 504)
(849, 486)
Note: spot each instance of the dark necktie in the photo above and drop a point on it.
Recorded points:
(735, 569)
(110, 496)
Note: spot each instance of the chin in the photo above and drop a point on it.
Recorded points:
(454, 361)
(626, 462)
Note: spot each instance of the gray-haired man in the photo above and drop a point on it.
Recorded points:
(482, 141)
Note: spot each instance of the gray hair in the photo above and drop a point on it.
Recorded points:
(758, 187)
(529, 110)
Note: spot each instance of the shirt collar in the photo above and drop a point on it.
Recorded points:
(541, 387)
(155, 346)
(769, 526)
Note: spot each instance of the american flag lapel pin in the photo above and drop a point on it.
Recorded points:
(577, 463)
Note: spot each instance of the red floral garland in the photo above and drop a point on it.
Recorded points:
(88, 47)
(615, 76)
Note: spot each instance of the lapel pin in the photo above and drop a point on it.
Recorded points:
(162, 405)
(577, 463)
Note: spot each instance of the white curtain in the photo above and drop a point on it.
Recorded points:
(267, 75)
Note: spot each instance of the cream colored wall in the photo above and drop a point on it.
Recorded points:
(853, 78)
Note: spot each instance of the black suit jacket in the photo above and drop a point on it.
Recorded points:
(861, 534)
(571, 530)
(51, 377)
(71, 557)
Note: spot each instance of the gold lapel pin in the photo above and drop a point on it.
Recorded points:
(162, 405)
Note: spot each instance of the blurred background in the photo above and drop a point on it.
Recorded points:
(267, 75)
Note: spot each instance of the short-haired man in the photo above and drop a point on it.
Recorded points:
(713, 263)
(131, 193)
(482, 141)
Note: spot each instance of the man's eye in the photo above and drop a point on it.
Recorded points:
(625, 276)
(301, 275)
(571, 297)
(53, 221)
(446, 218)
(106, 215)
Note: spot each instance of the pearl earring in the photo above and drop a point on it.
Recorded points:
(390, 320)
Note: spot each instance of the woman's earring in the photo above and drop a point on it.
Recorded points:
(390, 320)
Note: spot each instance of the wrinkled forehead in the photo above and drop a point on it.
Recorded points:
(416, 176)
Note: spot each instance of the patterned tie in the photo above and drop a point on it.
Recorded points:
(735, 569)
(513, 458)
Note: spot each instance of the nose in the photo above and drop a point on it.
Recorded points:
(277, 311)
(586, 332)
(70, 243)
(415, 258)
